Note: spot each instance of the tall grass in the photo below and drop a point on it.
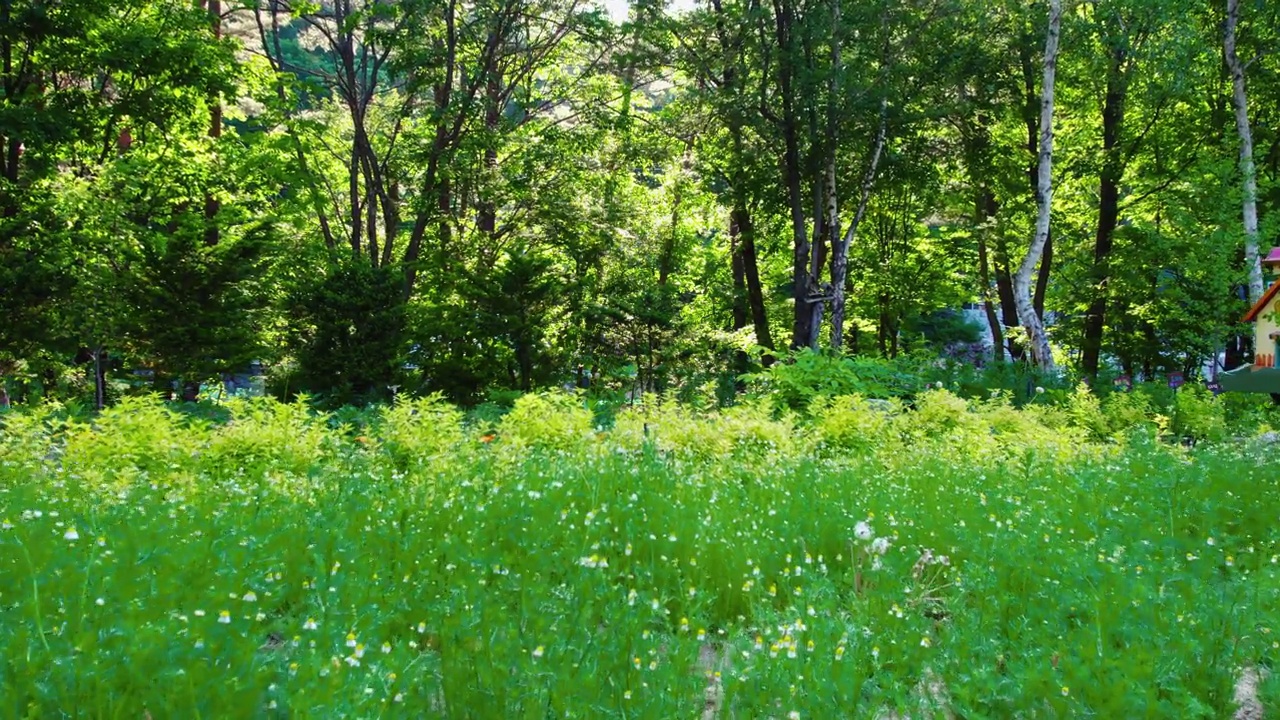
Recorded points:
(1001, 562)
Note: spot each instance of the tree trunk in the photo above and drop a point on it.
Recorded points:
(99, 379)
(667, 257)
(985, 210)
(211, 203)
(784, 24)
(822, 227)
(1004, 291)
(740, 224)
(1113, 112)
(739, 300)
(751, 270)
(1041, 354)
(977, 139)
(486, 209)
(740, 309)
(840, 259)
(1247, 167)
(1042, 277)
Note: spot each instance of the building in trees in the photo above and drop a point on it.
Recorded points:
(1261, 375)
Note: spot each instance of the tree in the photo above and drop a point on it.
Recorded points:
(1248, 171)
(1041, 354)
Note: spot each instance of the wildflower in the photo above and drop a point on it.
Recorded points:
(351, 640)
(310, 624)
(398, 698)
(875, 652)
(1065, 691)
(99, 602)
(702, 634)
(880, 545)
(627, 552)
(654, 604)
(1210, 542)
(224, 617)
(759, 643)
(199, 613)
(839, 652)
(250, 597)
(539, 652)
(636, 662)
(926, 642)
(684, 625)
(102, 542)
(5, 524)
(809, 646)
(811, 612)
(1039, 390)
(71, 534)
(793, 715)
(422, 627)
(773, 590)
(862, 531)
(386, 648)
(626, 695)
(359, 651)
(352, 660)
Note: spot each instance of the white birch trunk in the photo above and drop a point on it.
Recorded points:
(840, 256)
(1247, 168)
(1037, 340)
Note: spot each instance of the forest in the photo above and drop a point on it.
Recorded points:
(367, 197)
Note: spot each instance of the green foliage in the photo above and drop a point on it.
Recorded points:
(349, 333)
(546, 421)
(746, 432)
(852, 423)
(415, 432)
(811, 375)
(1197, 415)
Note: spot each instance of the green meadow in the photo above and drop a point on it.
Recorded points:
(956, 558)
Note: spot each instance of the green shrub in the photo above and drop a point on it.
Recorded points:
(1198, 415)
(810, 375)
(852, 423)
(552, 420)
(413, 432)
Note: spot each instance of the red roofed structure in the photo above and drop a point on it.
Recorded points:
(1261, 375)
